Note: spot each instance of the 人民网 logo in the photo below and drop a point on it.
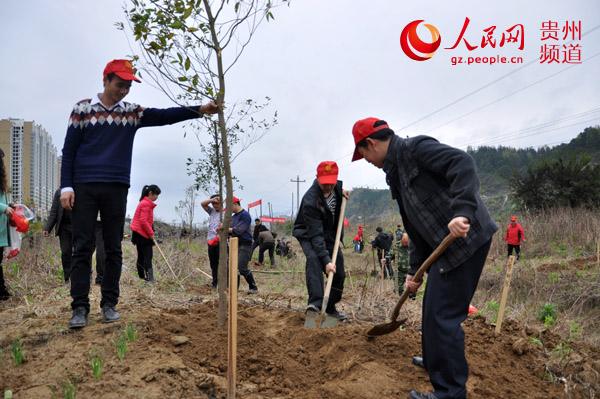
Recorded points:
(409, 40)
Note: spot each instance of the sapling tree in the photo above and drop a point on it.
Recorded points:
(187, 208)
(188, 48)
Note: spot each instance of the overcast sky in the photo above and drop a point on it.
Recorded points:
(325, 64)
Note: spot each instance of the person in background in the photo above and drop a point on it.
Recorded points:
(266, 240)
(402, 262)
(437, 190)
(60, 220)
(361, 238)
(316, 229)
(95, 176)
(143, 232)
(6, 212)
(212, 206)
(514, 236)
(356, 242)
(258, 228)
(240, 228)
(383, 243)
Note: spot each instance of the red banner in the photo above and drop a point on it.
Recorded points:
(272, 220)
(255, 203)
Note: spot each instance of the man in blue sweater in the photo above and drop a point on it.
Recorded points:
(240, 228)
(96, 166)
(436, 187)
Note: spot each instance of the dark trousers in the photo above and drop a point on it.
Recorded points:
(254, 246)
(445, 307)
(517, 249)
(213, 257)
(144, 258)
(65, 237)
(315, 280)
(111, 200)
(3, 289)
(100, 254)
(244, 256)
(267, 246)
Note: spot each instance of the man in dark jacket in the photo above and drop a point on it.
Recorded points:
(383, 243)
(436, 187)
(315, 228)
(240, 228)
(266, 242)
(258, 228)
(60, 221)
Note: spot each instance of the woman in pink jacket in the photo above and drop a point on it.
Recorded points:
(143, 233)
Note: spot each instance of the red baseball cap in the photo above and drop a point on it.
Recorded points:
(236, 199)
(513, 218)
(121, 68)
(362, 129)
(327, 172)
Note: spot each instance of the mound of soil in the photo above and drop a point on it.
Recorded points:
(180, 353)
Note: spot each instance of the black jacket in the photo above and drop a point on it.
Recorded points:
(434, 183)
(316, 223)
(57, 212)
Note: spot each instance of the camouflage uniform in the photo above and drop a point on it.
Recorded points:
(402, 262)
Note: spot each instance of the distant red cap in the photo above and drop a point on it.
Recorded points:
(327, 172)
(362, 129)
(513, 218)
(121, 68)
(236, 199)
(360, 226)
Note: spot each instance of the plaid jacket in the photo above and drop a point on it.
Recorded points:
(434, 183)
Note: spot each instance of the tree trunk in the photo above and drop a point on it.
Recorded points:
(223, 259)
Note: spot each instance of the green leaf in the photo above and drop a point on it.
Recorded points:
(182, 79)
(187, 64)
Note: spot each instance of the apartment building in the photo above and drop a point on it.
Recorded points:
(31, 162)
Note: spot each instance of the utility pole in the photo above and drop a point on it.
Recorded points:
(297, 181)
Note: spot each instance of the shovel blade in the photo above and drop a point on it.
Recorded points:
(328, 321)
(386, 328)
(316, 320)
(312, 319)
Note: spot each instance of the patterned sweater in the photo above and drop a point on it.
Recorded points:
(99, 142)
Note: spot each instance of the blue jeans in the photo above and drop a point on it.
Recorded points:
(111, 200)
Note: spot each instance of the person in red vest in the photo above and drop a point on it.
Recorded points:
(361, 238)
(514, 236)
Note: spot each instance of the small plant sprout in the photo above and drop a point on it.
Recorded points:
(535, 341)
(547, 314)
(97, 362)
(131, 332)
(121, 344)
(17, 350)
(493, 307)
(69, 388)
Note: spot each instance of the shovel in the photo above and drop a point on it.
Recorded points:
(386, 328)
(314, 319)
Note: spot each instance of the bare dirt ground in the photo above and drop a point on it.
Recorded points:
(180, 352)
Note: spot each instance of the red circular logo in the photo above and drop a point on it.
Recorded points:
(411, 43)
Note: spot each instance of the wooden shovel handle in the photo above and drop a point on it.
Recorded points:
(424, 267)
(336, 246)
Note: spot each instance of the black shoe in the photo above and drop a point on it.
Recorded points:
(418, 361)
(338, 315)
(4, 295)
(79, 318)
(110, 314)
(412, 296)
(419, 395)
(253, 290)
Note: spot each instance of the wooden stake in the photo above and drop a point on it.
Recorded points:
(511, 262)
(232, 319)
(598, 253)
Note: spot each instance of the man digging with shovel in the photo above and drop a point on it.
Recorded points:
(436, 187)
(315, 228)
